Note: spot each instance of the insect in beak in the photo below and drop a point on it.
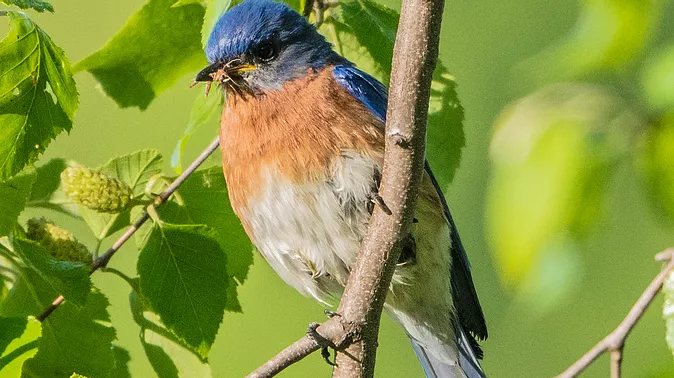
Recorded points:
(228, 74)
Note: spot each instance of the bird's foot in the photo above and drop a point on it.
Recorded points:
(323, 343)
(376, 198)
(331, 314)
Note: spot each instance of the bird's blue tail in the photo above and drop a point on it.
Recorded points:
(468, 366)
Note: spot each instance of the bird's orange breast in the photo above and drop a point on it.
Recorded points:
(295, 132)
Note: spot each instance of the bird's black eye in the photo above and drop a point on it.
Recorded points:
(266, 51)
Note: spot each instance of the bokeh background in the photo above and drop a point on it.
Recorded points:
(561, 217)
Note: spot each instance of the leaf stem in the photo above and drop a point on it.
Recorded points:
(103, 260)
(121, 275)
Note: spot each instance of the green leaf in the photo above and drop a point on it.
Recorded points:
(656, 160)
(64, 277)
(158, 45)
(169, 357)
(74, 340)
(180, 3)
(14, 194)
(193, 204)
(19, 339)
(214, 9)
(658, 80)
(183, 276)
(203, 111)
(136, 170)
(12, 328)
(553, 154)
(46, 193)
(364, 32)
(38, 96)
(19, 303)
(38, 5)
(374, 26)
(122, 359)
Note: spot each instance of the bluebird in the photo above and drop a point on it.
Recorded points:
(302, 140)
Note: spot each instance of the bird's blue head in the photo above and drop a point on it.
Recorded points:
(259, 45)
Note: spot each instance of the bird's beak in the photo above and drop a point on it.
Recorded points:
(218, 71)
(229, 74)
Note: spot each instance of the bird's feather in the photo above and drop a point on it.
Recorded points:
(374, 96)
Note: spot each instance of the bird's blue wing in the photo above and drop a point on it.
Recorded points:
(374, 95)
(364, 88)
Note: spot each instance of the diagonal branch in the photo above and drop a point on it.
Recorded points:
(614, 341)
(353, 333)
(103, 259)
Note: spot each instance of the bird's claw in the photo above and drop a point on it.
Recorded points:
(376, 198)
(322, 342)
(331, 314)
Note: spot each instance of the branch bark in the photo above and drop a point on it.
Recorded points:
(103, 259)
(614, 342)
(354, 332)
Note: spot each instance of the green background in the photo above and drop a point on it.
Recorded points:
(481, 44)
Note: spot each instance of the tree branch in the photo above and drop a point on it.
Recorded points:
(103, 259)
(614, 341)
(353, 333)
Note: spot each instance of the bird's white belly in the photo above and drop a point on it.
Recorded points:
(310, 232)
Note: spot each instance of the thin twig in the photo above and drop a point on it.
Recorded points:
(615, 340)
(103, 260)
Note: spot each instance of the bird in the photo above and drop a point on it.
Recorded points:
(302, 143)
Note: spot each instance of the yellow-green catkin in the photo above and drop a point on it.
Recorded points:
(96, 190)
(60, 243)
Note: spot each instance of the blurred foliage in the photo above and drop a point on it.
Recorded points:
(608, 36)
(555, 152)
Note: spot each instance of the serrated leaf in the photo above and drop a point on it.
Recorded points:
(193, 204)
(64, 277)
(122, 359)
(202, 113)
(71, 336)
(364, 32)
(553, 153)
(157, 46)
(18, 342)
(14, 193)
(134, 169)
(38, 96)
(38, 5)
(183, 276)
